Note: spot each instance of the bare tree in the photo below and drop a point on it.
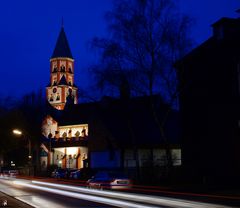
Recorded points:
(146, 39)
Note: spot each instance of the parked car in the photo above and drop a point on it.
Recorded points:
(10, 173)
(62, 173)
(75, 174)
(109, 180)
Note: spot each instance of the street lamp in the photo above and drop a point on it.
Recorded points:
(19, 133)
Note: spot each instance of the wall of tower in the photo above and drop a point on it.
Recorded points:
(61, 82)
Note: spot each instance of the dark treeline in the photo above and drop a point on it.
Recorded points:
(25, 114)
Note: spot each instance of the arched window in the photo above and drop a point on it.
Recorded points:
(51, 98)
(62, 68)
(58, 96)
(55, 69)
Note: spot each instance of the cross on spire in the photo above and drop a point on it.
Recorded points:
(62, 23)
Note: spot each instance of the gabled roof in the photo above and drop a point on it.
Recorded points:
(128, 123)
(225, 39)
(133, 123)
(62, 48)
(63, 81)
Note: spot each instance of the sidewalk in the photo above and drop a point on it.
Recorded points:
(8, 201)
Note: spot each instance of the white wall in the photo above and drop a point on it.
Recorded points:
(145, 157)
(73, 128)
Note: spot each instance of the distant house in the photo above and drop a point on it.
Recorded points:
(123, 128)
(209, 102)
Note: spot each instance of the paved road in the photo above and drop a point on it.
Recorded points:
(40, 193)
(8, 201)
(16, 196)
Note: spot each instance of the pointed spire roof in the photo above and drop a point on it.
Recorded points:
(62, 48)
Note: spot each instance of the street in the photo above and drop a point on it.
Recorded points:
(39, 193)
(38, 198)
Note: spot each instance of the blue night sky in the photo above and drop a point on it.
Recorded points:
(29, 30)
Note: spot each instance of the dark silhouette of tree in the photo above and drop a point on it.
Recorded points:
(25, 114)
(146, 37)
(33, 108)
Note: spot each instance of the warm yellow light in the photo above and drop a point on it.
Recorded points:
(18, 132)
(72, 150)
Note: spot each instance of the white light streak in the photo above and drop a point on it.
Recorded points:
(113, 202)
(156, 200)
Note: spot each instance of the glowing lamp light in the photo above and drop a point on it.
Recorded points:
(17, 132)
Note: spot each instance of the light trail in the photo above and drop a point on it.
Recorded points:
(113, 202)
(154, 200)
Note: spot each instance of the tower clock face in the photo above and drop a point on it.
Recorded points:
(54, 90)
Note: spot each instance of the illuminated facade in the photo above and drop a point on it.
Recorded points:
(65, 145)
(61, 88)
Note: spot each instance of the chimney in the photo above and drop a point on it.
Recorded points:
(226, 28)
(124, 88)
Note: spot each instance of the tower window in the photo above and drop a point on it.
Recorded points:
(58, 96)
(55, 69)
(51, 98)
(70, 69)
(62, 68)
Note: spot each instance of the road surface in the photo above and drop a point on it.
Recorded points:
(41, 194)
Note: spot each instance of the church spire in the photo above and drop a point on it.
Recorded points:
(62, 48)
(62, 23)
(61, 85)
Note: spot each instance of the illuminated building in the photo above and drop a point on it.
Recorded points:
(66, 145)
(61, 87)
(113, 133)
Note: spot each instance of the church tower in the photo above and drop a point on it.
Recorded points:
(61, 88)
